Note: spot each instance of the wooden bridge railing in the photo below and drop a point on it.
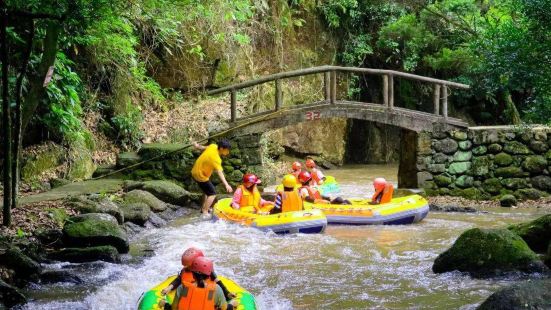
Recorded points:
(330, 86)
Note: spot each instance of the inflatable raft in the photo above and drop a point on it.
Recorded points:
(309, 221)
(403, 210)
(150, 299)
(329, 187)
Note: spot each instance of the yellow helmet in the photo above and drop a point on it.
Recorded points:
(289, 181)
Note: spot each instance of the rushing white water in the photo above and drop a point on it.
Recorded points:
(347, 267)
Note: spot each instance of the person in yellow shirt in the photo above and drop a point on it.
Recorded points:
(209, 161)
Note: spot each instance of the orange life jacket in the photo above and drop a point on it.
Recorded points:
(383, 195)
(291, 201)
(249, 202)
(187, 276)
(196, 298)
(315, 176)
(312, 192)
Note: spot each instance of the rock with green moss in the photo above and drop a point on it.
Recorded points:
(481, 166)
(81, 164)
(459, 135)
(528, 194)
(462, 156)
(436, 168)
(459, 168)
(464, 181)
(542, 182)
(228, 169)
(492, 186)
(442, 180)
(494, 148)
(536, 233)
(465, 145)
(166, 150)
(127, 159)
(137, 212)
(58, 182)
(10, 296)
(480, 150)
(509, 172)
(166, 191)
(85, 205)
(508, 201)
(47, 158)
(539, 147)
(25, 268)
(548, 155)
(473, 194)
(515, 183)
(532, 294)
(516, 148)
(140, 196)
(95, 229)
(485, 252)
(503, 159)
(446, 146)
(535, 163)
(104, 253)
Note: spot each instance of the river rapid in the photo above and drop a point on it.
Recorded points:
(347, 267)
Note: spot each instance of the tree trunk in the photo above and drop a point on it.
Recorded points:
(36, 89)
(511, 109)
(17, 136)
(6, 122)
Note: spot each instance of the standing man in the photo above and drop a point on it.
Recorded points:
(210, 160)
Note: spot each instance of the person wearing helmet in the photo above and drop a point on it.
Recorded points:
(310, 193)
(297, 168)
(383, 191)
(210, 160)
(185, 274)
(317, 176)
(289, 199)
(247, 196)
(201, 293)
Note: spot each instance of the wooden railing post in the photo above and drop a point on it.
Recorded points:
(436, 99)
(333, 87)
(385, 90)
(278, 95)
(233, 105)
(391, 91)
(445, 101)
(327, 85)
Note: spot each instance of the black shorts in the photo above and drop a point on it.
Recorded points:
(207, 188)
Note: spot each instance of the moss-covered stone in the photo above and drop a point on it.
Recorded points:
(436, 168)
(442, 180)
(166, 191)
(104, 253)
(127, 159)
(459, 135)
(464, 181)
(539, 147)
(548, 156)
(480, 150)
(25, 268)
(167, 150)
(532, 294)
(81, 164)
(95, 229)
(139, 196)
(503, 159)
(47, 158)
(459, 168)
(473, 194)
(484, 252)
(137, 212)
(59, 182)
(516, 148)
(542, 182)
(535, 163)
(444, 191)
(481, 166)
(439, 158)
(462, 156)
(492, 186)
(446, 146)
(236, 176)
(465, 145)
(494, 148)
(10, 296)
(528, 194)
(84, 205)
(508, 201)
(536, 233)
(484, 136)
(509, 172)
(515, 183)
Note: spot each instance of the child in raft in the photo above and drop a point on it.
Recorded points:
(383, 191)
(297, 169)
(247, 196)
(309, 193)
(317, 176)
(186, 274)
(289, 199)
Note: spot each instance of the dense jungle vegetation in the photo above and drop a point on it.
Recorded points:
(119, 60)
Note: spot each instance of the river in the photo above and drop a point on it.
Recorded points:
(347, 267)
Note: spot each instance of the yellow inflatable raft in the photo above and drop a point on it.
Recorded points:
(150, 299)
(308, 221)
(403, 210)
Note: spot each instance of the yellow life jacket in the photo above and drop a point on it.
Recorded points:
(250, 202)
(291, 201)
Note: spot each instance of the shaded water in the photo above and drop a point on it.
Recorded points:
(348, 267)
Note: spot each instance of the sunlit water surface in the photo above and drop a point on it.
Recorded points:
(347, 267)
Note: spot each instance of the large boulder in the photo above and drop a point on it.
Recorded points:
(484, 252)
(532, 294)
(10, 295)
(95, 229)
(105, 253)
(86, 205)
(139, 196)
(536, 233)
(137, 213)
(446, 146)
(508, 201)
(25, 267)
(166, 191)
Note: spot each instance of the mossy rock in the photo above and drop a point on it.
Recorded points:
(446, 146)
(436, 168)
(228, 169)
(503, 159)
(104, 253)
(140, 196)
(542, 182)
(548, 156)
(46, 159)
(480, 150)
(465, 145)
(237, 162)
(167, 191)
(532, 294)
(127, 159)
(492, 186)
(58, 182)
(528, 194)
(483, 252)
(494, 148)
(536, 233)
(515, 183)
(459, 168)
(508, 201)
(535, 164)
(85, 205)
(95, 229)
(439, 158)
(444, 191)
(25, 268)
(481, 166)
(539, 147)
(148, 174)
(509, 172)
(516, 148)
(462, 156)
(10, 296)
(442, 180)
(464, 181)
(137, 212)
(166, 150)
(459, 135)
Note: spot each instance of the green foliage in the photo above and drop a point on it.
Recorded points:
(127, 127)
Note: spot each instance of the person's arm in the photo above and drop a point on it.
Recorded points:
(277, 203)
(237, 195)
(174, 284)
(227, 293)
(199, 146)
(264, 202)
(223, 179)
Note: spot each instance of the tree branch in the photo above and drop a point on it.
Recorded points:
(36, 15)
(447, 19)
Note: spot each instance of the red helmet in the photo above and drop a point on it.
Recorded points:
(189, 255)
(251, 178)
(297, 166)
(379, 183)
(304, 177)
(310, 163)
(202, 265)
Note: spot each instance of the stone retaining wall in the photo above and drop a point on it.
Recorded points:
(485, 162)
